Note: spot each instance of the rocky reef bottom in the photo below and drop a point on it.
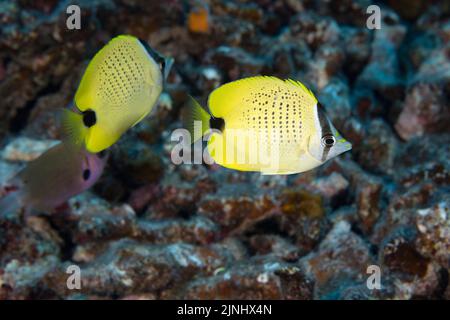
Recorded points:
(232, 235)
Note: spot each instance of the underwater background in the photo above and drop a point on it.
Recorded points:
(150, 229)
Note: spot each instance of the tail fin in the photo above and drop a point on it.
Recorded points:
(198, 120)
(73, 128)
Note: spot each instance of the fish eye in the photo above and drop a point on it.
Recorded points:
(328, 140)
(89, 118)
(86, 174)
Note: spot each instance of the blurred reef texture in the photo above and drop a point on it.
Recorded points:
(150, 229)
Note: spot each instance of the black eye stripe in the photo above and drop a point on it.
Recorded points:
(325, 152)
(326, 130)
(155, 55)
(323, 120)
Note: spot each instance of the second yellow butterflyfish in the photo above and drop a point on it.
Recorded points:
(268, 125)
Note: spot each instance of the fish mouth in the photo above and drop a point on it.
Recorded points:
(342, 147)
(346, 146)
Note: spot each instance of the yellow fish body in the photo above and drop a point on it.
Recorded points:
(119, 88)
(268, 125)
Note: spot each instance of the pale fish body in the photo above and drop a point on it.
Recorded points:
(270, 125)
(58, 174)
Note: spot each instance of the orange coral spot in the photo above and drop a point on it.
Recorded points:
(198, 21)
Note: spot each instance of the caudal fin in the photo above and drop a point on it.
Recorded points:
(197, 121)
(73, 129)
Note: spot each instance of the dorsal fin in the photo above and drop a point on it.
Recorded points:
(231, 94)
(302, 86)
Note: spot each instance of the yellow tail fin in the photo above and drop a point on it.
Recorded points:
(198, 120)
(73, 129)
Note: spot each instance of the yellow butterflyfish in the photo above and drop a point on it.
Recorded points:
(120, 86)
(268, 125)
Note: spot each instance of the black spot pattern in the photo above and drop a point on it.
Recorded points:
(275, 110)
(278, 116)
(122, 74)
